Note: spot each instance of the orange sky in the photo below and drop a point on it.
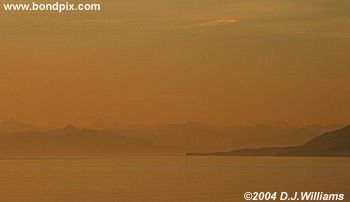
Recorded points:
(146, 62)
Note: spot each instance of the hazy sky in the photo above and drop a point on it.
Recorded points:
(152, 61)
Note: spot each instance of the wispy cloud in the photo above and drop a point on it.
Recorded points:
(167, 23)
(216, 22)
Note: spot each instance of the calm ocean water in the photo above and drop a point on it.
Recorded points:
(167, 178)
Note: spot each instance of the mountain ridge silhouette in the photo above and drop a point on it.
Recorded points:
(73, 141)
(332, 144)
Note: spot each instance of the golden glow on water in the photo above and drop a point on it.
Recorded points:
(167, 178)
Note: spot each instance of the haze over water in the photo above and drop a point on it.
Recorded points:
(176, 178)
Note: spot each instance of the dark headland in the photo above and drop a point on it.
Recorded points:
(330, 144)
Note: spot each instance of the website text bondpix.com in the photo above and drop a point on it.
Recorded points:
(56, 7)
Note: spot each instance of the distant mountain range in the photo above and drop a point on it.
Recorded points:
(193, 136)
(12, 126)
(18, 139)
(335, 143)
(72, 141)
